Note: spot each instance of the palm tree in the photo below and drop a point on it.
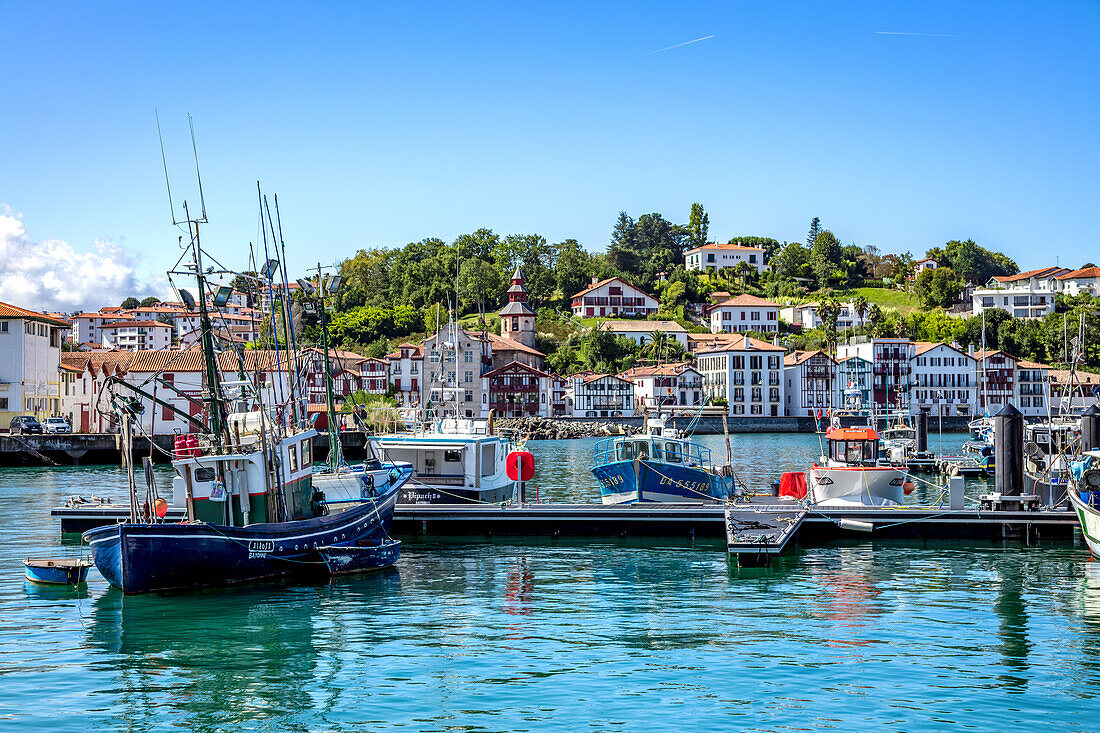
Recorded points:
(828, 311)
(859, 304)
(875, 314)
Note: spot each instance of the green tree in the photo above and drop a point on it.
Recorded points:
(793, 261)
(860, 305)
(479, 283)
(131, 303)
(698, 226)
(151, 300)
(828, 310)
(876, 317)
(825, 258)
(815, 229)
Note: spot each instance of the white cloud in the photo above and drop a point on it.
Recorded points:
(52, 276)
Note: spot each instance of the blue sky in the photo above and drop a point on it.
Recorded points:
(379, 124)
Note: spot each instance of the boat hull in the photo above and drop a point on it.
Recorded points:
(141, 558)
(1089, 517)
(418, 492)
(361, 557)
(856, 486)
(54, 572)
(630, 482)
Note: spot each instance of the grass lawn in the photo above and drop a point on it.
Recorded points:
(899, 300)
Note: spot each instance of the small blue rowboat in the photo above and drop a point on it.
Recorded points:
(58, 571)
(362, 556)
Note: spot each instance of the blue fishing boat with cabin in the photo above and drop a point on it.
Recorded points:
(245, 482)
(660, 465)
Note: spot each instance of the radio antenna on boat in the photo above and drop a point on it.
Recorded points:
(164, 162)
(195, 149)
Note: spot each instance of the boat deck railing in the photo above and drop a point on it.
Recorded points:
(665, 450)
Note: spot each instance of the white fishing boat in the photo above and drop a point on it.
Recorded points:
(849, 473)
(456, 460)
(1085, 497)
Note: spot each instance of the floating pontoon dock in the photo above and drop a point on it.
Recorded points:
(677, 522)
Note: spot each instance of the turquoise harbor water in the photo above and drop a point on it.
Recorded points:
(884, 636)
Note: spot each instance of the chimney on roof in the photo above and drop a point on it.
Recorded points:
(595, 279)
(970, 350)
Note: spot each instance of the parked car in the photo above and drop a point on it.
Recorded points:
(57, 425)
(21, 424)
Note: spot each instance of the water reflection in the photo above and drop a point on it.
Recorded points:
(211, 660)
(1012, 613)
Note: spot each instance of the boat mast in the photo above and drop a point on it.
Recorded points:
(334, 453)
(215, 403)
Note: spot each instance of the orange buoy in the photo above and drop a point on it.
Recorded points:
(160, 506)
(908, 487)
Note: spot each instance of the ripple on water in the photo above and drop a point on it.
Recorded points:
(602, 637)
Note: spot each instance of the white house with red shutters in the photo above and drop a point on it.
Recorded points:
(374, 376)
(613, 297)
(406, 374)
(744, 313)
(666, 386)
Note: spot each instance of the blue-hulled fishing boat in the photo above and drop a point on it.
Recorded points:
(246, 483)
(56, 571)
(661, 465)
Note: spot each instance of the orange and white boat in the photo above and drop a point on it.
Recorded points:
(850, 475)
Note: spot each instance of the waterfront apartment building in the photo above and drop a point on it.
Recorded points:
(890, 369)
(943, 380)
(601, 395)
(716, 256)
(810, 383)
(744, 313)
(406, 368)
(666, 387)
(613, 297)
(748, 374)
(30, 352)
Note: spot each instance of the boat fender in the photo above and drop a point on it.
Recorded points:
(908, 487)
(856, 525)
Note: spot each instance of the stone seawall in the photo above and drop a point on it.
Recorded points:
(565, 428)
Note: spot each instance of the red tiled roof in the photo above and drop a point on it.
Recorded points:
(515, 366)
(500, 343)
(798, 357)
(741, 343)
(1083, 272)
(662, 370)
(13, 311)
(746, 299)
(731, 245)
(601, 283)
(129, 324)
(1041, 272)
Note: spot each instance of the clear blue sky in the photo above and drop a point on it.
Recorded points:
(383, 123)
